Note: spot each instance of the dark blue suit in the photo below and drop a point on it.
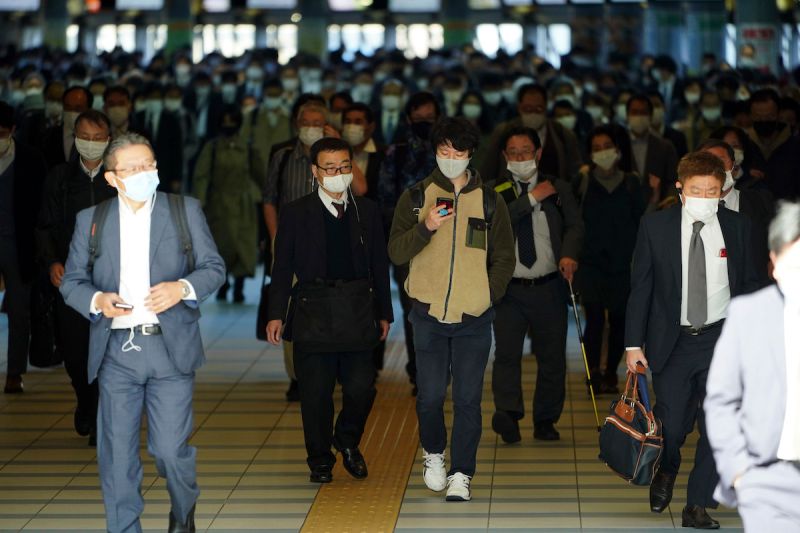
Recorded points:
(160, 377)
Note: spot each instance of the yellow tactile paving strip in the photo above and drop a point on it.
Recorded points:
(389, 446)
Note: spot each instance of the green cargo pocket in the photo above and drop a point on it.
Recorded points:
(476, 233)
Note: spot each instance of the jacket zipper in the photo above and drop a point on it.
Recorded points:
(452, 257)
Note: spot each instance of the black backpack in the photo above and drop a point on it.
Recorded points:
(177, 210)
(417, 193)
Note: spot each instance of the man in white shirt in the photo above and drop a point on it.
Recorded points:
(688, 263)
(753, 392)
(136, 284)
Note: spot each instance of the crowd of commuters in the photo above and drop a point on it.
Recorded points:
(492, 184)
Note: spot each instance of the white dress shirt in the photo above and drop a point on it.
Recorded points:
(789, 445)
(732, 200)
(328, 201)
(91, 173)
(545, 258)
(361, 158)
(389, 122)
(717, 283)
(8, 157)
(68, 139)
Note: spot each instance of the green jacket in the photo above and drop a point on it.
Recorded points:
(463, 267)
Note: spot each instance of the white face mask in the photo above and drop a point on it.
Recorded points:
(452, 168)
(738, 156)
(711, 114)
(605, 159)
(702, 209)
(522, 170)
(309, 136)
(692, 97)
(787, 273)
(354, 134)
(595, 111)
(639, 125)
(390, 102)
(272, 102)
(337, 184)
(69, 120)
(142, 186)
(90, 150)
(533, 120)
(172, 104)
(729, 181)
(472, 111)
(568, 121)
(493, 97)
(53, 109)
(290, 84)
(621, 111)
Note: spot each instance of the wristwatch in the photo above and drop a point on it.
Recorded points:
(186, 289)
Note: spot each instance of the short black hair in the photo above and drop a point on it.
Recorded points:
(564, 104)
(116, 89)
(458, 132)
(639, 97)
(329, 144)
(716, 143)
(361, 108)
(344, 95)
(765, 95)
(790, 104)
(525, 132)
(79, 88)
(531, 88)
(420, 99)
(233, 112)
(604, 129)
(6, 115)
(92, 116)
(720, 134)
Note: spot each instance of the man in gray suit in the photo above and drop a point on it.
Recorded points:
(753, 393)
(145, 343)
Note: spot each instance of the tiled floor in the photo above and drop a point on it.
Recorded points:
(251, 458)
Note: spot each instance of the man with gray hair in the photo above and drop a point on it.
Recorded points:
(139, 281)
(753, 392)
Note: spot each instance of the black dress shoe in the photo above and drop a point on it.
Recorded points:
(661, 491)
(14, 384)
(93, 438)
(697, 517)
(293, 394)
(321, 474)
(176, 526)
(83, 423)
(354, 462)
(504, 425)
(545, 431)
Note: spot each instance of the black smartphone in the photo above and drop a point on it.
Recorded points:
(444, 204)
(121, 305)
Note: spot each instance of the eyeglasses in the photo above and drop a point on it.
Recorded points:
(144, 167)
(344, 169)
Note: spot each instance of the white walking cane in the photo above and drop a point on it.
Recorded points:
(583, 351)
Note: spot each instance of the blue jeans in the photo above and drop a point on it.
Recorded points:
(461, 351)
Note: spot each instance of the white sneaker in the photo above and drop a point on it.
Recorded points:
(433, 471)
(458, 488)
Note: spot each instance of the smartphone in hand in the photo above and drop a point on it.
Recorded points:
(444, 205)
(123, 305)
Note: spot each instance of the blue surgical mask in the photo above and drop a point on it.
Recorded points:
(140, 187)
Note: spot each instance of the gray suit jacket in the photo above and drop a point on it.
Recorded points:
(167, 263)
(746, 389)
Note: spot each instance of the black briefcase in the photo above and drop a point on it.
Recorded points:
(43, 350)
(630, 439)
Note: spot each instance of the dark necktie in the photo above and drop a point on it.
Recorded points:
(339, 210)
(697, 302)
(525, 243)
(722, 203)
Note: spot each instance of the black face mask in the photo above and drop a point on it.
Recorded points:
(765, 128)
(422, 129)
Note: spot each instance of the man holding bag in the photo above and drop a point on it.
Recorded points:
(333, 243)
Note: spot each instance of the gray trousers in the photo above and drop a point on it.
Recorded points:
(768, 498)
(132, 383)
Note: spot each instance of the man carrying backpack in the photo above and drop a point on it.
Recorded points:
(138, 266)
(456, 236)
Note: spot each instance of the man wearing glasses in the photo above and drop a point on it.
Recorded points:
(333, 236)
(144, 345)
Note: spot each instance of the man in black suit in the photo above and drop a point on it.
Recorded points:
(22, 171)
(688, 263)
(330, 235)
(58, 141)
(664, 130)
(756, 204)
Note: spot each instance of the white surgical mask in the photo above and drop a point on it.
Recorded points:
(738, 156)
(140, 187)
(568, 121)
(290, 84)
(254, 73)
(638, 124)
(90, 150)
(272, 102)
(533, 120)
(452, 168)
(309, 136)
(390, 102)
(53, 109)
(354, 134)
(729, 181)
(711, 114)
(172, 104)
(472, 111)
(247, 109)
(621, 111)
(69, 120)
(337, 184)
(493, 97)
(596, 112)
(702, 209)
(522, 170)
(605, 159)
(692, 97)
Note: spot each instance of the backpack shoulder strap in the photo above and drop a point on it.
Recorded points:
(177, 210)
(417, 192)
(96, 230)
(489, 204)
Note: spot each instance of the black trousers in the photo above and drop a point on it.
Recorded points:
(317, 374)
(73, 343)
(543, 310)
(680, 389)
(593, 337)
(17, 305)
(400, 273)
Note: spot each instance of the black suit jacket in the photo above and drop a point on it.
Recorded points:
(653, 315)
(29, 175)
(300, 251)
(52, 146)
(759, 208)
